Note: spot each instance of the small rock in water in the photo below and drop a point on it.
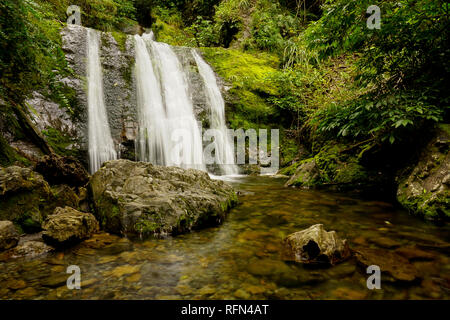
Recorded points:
(315, 246)
(9, 237)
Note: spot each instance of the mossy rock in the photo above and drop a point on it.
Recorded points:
(424, 191)
(307, 175)
(138, 198)
(25, 198)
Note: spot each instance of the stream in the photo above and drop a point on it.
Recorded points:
(240, 259)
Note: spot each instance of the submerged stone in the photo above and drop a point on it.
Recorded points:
(143, 199)
(391, 264)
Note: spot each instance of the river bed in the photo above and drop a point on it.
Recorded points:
(240, 259)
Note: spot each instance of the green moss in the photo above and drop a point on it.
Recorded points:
(121, 39)
(172, 35)
(9, 156)
(60, 142)
(290, 170)
(242, 69)
(350, 172)
(147, 227)
(425, 205)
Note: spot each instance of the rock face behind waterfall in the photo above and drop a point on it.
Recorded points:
(143, 199)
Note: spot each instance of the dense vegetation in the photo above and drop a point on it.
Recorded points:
(341, 90)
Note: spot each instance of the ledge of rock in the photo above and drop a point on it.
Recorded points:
(67, 225)
(25, 198)
(143, 199)
(9, 237)
(315, 246)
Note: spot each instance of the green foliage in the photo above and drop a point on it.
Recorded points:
(271, 27)
(403, 66)
(411, 46)
(60, 142)
(390, 118)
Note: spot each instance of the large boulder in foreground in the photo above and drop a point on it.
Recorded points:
(315, 246)
(144, 199)
(425, 190)
(62, 170)
(25, 198)
(9, 237)
(67, 226)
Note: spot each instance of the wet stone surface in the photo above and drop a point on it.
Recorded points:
(241, 259)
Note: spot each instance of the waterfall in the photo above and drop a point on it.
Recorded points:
(169, 132)
(101, 146)
(224, 148)
(152, 141)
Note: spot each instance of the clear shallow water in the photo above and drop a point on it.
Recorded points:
(241, 258)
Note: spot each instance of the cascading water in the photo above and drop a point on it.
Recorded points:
(153, 131)
(224, 155)
(169, 136)
(101, 146)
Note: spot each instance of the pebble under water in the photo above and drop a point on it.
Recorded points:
(240, 259)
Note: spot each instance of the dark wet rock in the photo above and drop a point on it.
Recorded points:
(25, 198)
(266, 267)
(425, 189)
(140, 198)
(415, 254)
(67, 226)
(385, 242)
(9, 237)
(306, 176)
(62, 170)
(65, 196)
(391, 264)
(315, 246)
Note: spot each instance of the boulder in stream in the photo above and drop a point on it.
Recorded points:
(143, 199)
(67, 226)
(315, 246)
